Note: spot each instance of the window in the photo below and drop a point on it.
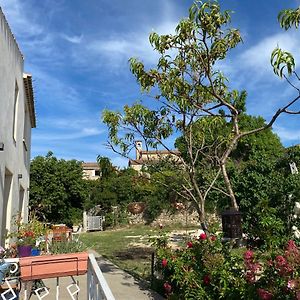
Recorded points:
(16, 106)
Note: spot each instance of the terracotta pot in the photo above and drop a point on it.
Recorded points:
(52, 266)
(24, 251)
(136, 207)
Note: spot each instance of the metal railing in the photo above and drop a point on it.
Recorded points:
(13, 287)
(97, 288)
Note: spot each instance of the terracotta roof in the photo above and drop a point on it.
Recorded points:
(176, 152)
(90, 166)
(27, 79)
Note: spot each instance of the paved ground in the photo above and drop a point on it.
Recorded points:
(123, 285)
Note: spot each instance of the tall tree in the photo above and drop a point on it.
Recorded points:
(57, 188)
(189, 89)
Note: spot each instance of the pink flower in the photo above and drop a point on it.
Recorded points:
(292, 283)
(167, 287)
(213, 238)
(164, 262)
(264, 294)
(206, 279)
(203, 236)
(292, 246)
(248, 255)
(189, 244)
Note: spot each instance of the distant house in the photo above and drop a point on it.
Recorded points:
(17, 118)
(91, 170)
(146, 157)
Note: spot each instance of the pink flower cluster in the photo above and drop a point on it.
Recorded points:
(282, 265)
(167, 287)
(264, 294)
(252, 267)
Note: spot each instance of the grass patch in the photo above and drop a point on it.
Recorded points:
(129, 247)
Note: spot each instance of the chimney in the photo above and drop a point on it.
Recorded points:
(138, 149)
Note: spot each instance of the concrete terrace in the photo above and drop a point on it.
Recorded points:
(123, 285)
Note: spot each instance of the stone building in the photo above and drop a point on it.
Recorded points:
(91, 170)
(144, 157)
(17, 118)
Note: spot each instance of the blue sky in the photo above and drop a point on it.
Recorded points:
(78, 51)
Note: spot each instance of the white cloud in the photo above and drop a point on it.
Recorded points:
(258, 56)
(75, 39)
(23, 24)
(64, 135)
(118, 49)
(287, 134)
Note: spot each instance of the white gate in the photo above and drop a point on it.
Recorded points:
(94, 223)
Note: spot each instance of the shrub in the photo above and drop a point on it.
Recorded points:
(207, 268)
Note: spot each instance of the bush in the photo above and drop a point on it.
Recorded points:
(209, 269)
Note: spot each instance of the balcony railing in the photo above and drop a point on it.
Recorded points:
(46, 285)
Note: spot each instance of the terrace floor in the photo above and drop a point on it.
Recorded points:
(123, 285)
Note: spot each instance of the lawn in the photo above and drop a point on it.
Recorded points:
(129, 248)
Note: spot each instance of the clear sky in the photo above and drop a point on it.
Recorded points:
(78, 51)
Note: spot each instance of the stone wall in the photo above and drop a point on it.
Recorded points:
(167, 218)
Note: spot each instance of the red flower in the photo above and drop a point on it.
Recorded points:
(189, 244)
(167, 287)
(28, 234)
(213, 238)
(164, 262)
(264, 295)
(203, 236)
(248, 255)
(206, 279)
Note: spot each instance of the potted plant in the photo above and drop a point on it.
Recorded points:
(26, 234)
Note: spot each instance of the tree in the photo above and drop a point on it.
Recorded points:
(190, 90)
(57, 189)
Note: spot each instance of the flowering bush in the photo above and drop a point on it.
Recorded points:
(27, 233)
(206, 268)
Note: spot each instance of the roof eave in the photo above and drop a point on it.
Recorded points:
(27, 79)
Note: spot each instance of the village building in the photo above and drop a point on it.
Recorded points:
(91, 170)
(146, 157)
(17, 118)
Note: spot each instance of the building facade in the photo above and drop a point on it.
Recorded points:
(91, 170)
(17, 118)
(146, 157)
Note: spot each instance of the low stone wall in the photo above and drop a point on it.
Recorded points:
(167, 218)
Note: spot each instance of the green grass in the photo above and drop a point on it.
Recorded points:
(116, 245)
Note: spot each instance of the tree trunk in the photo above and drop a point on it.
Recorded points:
(229, 187)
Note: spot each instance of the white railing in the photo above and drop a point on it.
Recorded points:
(62, 288)
(97, 286)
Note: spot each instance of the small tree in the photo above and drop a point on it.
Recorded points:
(190, 90)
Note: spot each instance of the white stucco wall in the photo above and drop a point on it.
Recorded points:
(14, 159)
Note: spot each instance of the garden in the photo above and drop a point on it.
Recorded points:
(231, 165)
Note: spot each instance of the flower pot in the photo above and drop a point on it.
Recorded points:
(136, 207)
(52, 266)
(24, 251)
(35, 252)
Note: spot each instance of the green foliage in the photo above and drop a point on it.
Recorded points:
(56, 188)
(210, 269)
(128, 186)
(288, 18)
(63, 247)
(281, 60)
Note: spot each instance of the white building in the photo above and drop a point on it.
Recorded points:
(91, 170)
(17, 117)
